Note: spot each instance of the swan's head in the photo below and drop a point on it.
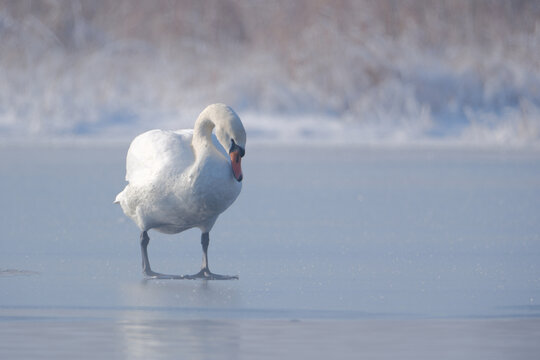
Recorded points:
(230, 133)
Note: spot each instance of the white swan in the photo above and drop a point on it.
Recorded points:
(184, 179)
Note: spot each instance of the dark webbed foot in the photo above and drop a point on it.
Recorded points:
(206, 274)
(158, 276)
(202, 275)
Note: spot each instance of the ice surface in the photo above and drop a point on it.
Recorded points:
(340, 250)
(133, 337)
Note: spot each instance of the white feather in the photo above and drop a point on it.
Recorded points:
(182, 179)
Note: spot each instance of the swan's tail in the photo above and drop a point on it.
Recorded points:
(117, 199)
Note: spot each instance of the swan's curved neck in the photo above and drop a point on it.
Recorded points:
(202, 133)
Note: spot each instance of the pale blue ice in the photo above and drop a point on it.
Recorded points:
(351, 247)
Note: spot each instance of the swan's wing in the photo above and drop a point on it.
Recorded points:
(159, 153)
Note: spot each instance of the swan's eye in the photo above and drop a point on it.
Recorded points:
(237, 147)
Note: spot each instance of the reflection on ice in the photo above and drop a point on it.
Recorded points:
(154, 330)
(198, 339)
(180, 294)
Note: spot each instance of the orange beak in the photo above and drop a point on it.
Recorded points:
(236, 161)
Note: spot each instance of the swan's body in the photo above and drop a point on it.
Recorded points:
(184, 179)
(171, 191)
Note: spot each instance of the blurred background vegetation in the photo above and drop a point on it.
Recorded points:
(411, 69)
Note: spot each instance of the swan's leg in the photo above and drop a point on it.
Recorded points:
(205, 241)
(205, 272)
(147, 271)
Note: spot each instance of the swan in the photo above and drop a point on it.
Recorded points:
(178, 180)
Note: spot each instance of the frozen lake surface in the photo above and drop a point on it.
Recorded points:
(341, 252)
